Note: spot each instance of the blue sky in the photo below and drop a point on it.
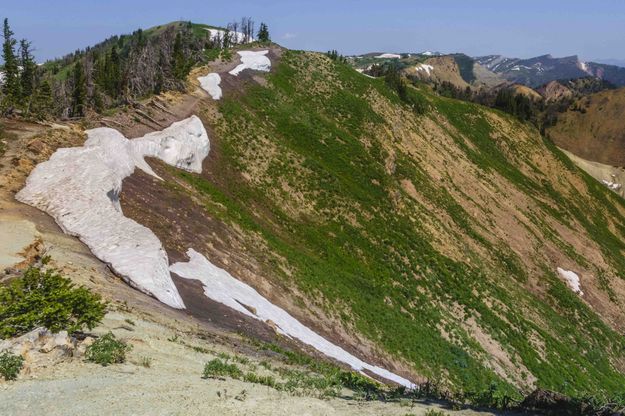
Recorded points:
(526, 28)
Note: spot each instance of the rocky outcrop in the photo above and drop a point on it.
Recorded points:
(42, 348)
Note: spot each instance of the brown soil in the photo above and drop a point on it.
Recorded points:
(592, 128)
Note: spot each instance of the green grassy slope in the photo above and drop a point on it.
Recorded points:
(316, 164)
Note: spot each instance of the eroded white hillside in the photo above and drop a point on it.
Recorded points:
(79, 187)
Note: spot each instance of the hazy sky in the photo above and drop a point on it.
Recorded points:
(591, 29)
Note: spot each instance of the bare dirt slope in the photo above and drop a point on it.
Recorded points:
(592, 128)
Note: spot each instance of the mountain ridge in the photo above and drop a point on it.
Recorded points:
(428, 235)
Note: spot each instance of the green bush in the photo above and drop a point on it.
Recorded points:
(44, 298)
(264, 380)
(107, 350)
(219, 368)
(10, 365)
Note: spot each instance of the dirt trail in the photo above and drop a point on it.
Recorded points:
(171, 385)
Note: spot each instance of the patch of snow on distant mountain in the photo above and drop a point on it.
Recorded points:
(222, 287)
(210, 83)
(80, 187)
(388, 56)
(584, 67)
(255, 60)
(572, 280)
(424, 67)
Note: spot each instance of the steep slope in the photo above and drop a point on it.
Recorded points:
(428, 244)
(592, 128)
(439, 69)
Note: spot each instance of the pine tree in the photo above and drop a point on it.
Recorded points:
(113, 73)
(263, 33)
(27, 76)
(42, 102)
(79, 91)
(10, 83)
(180, 66)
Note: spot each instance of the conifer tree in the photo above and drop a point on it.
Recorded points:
(42, 101)
(27, 75)
(180, 66)
(10, 83)
(79, 91)
(263, 33)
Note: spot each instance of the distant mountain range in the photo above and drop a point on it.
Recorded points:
(497, 69)
(540, 70)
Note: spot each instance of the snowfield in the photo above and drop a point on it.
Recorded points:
(388, 56)
(424, 67)
(615, 186)
(255, 60)
(80, 186)
(210, 83)
(222, 287)
(572, 280)
(238, 37)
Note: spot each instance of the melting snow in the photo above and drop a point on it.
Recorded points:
(572, 280)
(615, 186)
(210, 83)
(238, 37)
(584, 67)
(388, 56)
(220, 286)
(255, 60)
(425, 67)
(80, 186)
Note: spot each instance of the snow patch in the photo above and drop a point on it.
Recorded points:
(584, 67)
(222, 287)
(388, 56)
(237, 37)
(255, 60)
(572, 280)
(80, 187)
(210, 83)
(424, 67)
(613, 185)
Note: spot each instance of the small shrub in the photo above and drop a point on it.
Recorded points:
(146, 362)
(433, 412)
(219, 368)
(45, 298)
(264, 380)
(107, 350)
(10, 365)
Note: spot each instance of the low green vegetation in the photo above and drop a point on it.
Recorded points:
(356, 245)
(43, 298)
(10, 365)
(107, 350)
(220, 368)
